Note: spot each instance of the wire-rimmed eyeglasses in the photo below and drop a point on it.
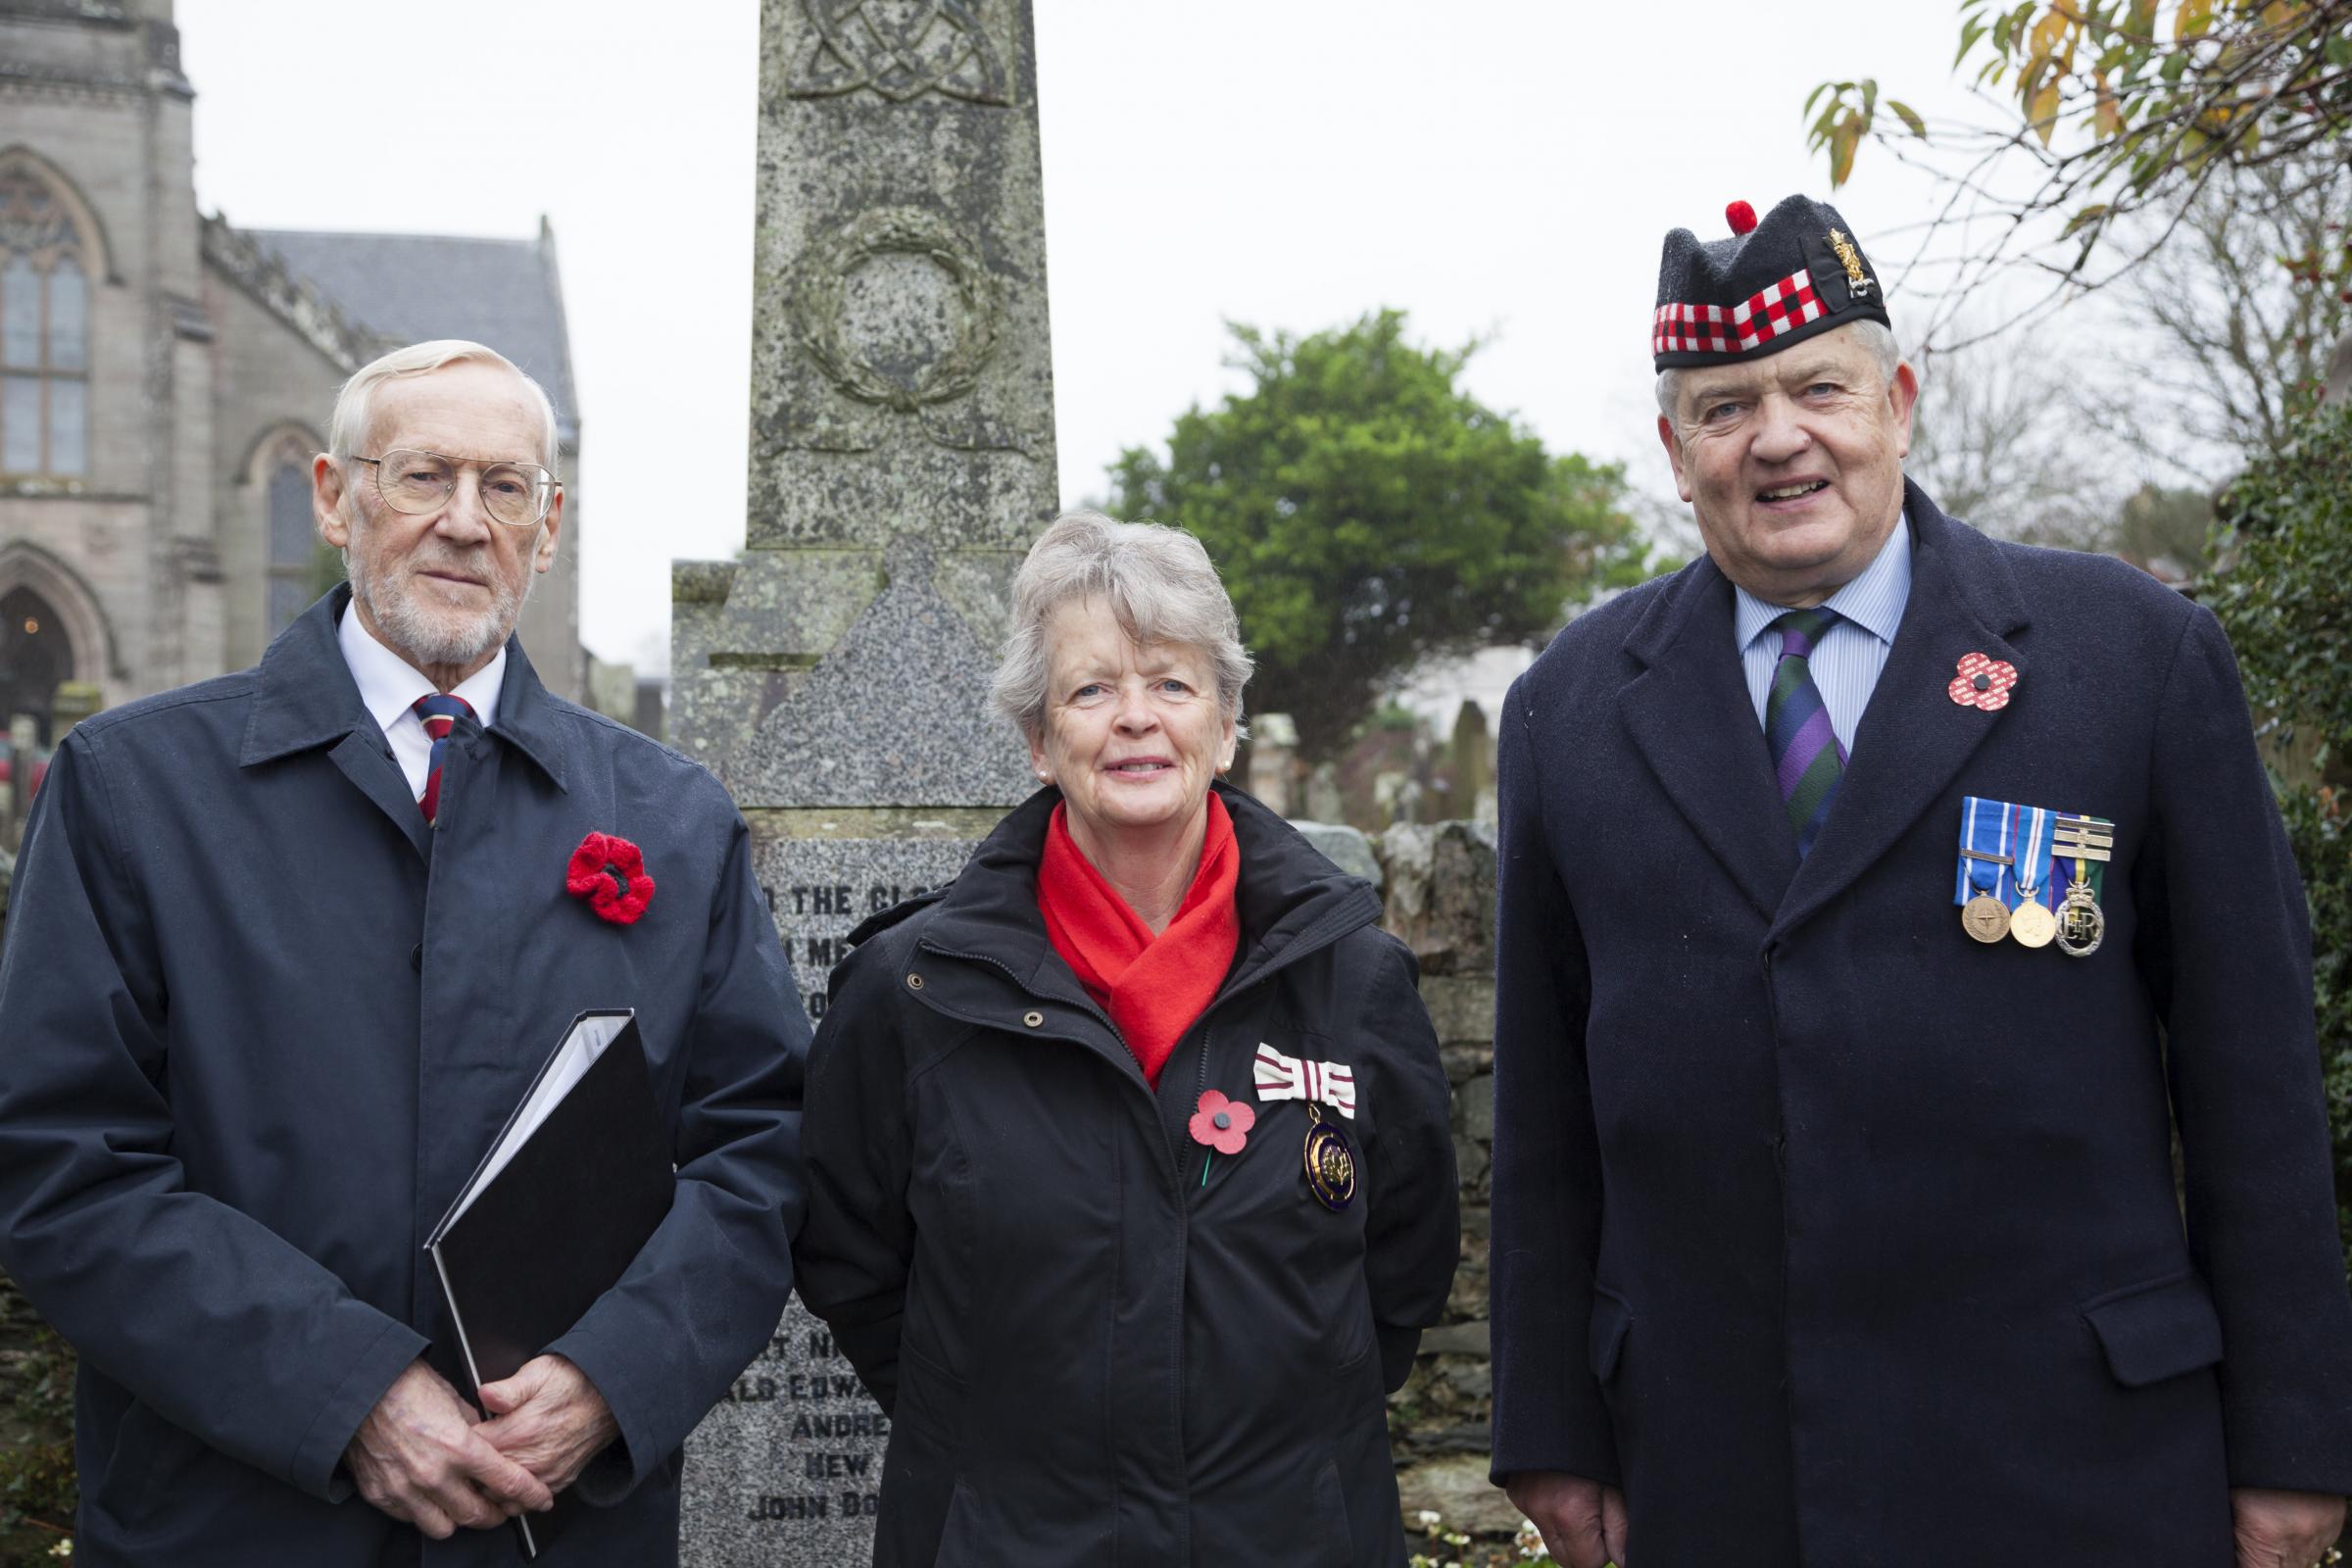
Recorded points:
(517, 494)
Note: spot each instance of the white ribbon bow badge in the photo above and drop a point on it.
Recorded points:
(1281, 1077)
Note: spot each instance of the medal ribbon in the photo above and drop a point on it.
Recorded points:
(1984, 828)
(2034, 825)
(2096, 868)
(1281, 1077)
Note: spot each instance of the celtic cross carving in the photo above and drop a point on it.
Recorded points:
(901, 49)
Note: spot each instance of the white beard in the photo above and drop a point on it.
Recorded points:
(428, 636)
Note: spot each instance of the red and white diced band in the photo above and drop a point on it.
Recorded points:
(1754, 321)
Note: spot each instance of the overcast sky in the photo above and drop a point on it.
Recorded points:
(1503, 169)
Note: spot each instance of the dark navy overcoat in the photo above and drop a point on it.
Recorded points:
(1836, 1238)
(258, 1023)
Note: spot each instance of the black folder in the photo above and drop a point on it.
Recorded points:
(567, 1194)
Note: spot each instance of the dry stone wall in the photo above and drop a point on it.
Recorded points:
(1438, 882)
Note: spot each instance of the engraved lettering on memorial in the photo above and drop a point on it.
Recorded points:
(901, 49)
(868, 1426)
(815, 952)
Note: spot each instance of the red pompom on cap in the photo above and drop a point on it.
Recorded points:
(1741, 217)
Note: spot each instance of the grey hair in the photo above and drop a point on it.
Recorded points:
(1158, 581)
(1877, 336)
(353, 404)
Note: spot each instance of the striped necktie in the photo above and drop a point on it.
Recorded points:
(1807, 756)
(440, 713)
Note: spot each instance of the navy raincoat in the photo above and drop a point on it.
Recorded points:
(259, 1022)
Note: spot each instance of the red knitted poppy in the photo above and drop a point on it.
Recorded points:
(609, 871)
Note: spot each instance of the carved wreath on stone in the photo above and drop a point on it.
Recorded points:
(902, 49)
(826, 270)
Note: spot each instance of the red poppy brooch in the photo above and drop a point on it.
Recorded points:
(609, 871)
(1983, 683)
(1222, 1124)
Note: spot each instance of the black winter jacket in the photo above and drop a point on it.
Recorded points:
(1091, 1357)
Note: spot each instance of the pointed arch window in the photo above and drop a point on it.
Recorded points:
(293, 544)
(44, 332)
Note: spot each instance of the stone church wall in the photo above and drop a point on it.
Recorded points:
(267, 381)
(92, 137)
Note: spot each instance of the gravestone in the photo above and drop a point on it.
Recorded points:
(834, 676)
(1471, 754)
(1273, 761)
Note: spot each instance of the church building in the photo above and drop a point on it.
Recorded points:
(166, 379)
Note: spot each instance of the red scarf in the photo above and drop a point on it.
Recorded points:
(1153, 986)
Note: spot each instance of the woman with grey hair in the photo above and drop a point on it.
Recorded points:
(1130, 1181)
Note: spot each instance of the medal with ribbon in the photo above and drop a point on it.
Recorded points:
(2089, 842)
(1985, 863)
(1281, 1077)
(1329, 1158)
(1330, 1162)
(2032, 921)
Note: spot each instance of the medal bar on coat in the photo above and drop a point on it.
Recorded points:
(2088, 841)
(2032, 922)
(1984, 859)
(1330, 1162)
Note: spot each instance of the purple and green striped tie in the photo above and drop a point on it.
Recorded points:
(1807, 756)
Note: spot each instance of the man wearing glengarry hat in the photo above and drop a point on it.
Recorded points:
(1880, 907)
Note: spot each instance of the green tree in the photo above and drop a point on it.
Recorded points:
(2283, 586)
(1366, 512)
(2160, 523)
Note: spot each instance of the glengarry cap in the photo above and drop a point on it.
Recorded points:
(1771, 284)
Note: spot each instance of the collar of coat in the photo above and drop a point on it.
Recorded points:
(1689, 715)
(1292, 899)
(304, 697)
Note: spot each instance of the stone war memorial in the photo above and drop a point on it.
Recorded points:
(834, 676)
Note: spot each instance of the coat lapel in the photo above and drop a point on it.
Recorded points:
(361, 758)
(305, 698)
(527, 719)
(1913, 739)
(1696, 725)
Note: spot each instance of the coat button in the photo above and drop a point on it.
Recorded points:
(416, 958)
(914, 982)
(1033, 1019)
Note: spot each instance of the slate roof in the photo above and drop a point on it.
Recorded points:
(410, 287)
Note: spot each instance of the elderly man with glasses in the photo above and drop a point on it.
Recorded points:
(288, 947)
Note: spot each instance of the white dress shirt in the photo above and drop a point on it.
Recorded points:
(1846, 661)
(389, 686)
